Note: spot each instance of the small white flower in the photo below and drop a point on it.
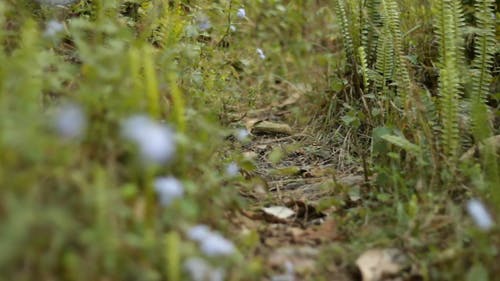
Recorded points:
(211, 243)
(200, 270)
(242, 134)
(155, 141)
(199, 233)
(232, 169)
(204, 22)
(261, 53)
(70, 121)
(479, 214)
(168, 189)
(216, 245)
(241, 13)
(232, 28)
(52, 28)
(204, 25)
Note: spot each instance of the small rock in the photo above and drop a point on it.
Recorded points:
(379, 264)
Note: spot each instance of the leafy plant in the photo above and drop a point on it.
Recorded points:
(373, 24)
(340, 9)
(484, 50)
(392, 22)
(447, 33)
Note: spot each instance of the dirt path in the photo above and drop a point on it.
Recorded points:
(291, 194)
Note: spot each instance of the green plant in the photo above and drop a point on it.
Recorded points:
(344, 21)
(447, 33)
(384, 64)
(373, 24)
(392, 22)
(484, 50)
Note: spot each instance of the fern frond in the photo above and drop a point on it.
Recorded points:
(168, 27)
(391, 15)
(364, 66)
(430, 111)
(446, 29)
(340, 10)
(485, 45)
(458, 33)
(372, 25)
(449, 112)
(481, 76)
(356, 18)
(385, 58)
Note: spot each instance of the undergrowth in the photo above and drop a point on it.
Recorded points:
(114, 128)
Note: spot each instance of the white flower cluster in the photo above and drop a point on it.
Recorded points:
(211, 243)
(155, 140)
(242, 14)
(200, 270)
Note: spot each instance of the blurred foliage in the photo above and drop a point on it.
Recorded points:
(385, 87)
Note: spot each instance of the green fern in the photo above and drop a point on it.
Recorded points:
(430, 112)
(340, 10)
(168, 27)
(356, 19)
(3, 104)
(364, 67)
(481, 75)
(372, 25)
(459, 34)
(402, 78)
(385, 59)
(481, 79)
(449, 82)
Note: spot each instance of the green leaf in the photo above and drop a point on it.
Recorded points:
(403, 143)
(379, 146)
(384, 197)
(477, 273)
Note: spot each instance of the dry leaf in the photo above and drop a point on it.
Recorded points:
(267, 127)
(380, 264)
(250, 155)
(281, 213)
(250, 123)
(285, 171)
